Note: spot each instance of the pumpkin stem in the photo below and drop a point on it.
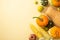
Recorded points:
(39, 18)
(57, 0)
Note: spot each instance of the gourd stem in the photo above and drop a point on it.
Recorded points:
(38, 18)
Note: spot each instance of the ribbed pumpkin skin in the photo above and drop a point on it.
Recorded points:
(56, 3)
(44, 22)
(55, 32)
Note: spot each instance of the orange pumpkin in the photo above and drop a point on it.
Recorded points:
(42, 20)
(56, 3)
(54, 32)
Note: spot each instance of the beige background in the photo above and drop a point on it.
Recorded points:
(15, 16)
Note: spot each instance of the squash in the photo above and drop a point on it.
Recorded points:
(54, 32)
(44, 2)
(40, 8)
(42, 20)
(55, 3)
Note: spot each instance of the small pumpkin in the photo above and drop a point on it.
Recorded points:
(54, 32)
(55, 2)
(44, 2)
(42, 20)
(40, 8)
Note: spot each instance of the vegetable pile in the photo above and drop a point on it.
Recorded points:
(45, 29)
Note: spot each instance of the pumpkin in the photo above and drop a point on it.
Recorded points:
(54, 32)
(42, 20)
(56, 2)
(40, 8)
(44, 2)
